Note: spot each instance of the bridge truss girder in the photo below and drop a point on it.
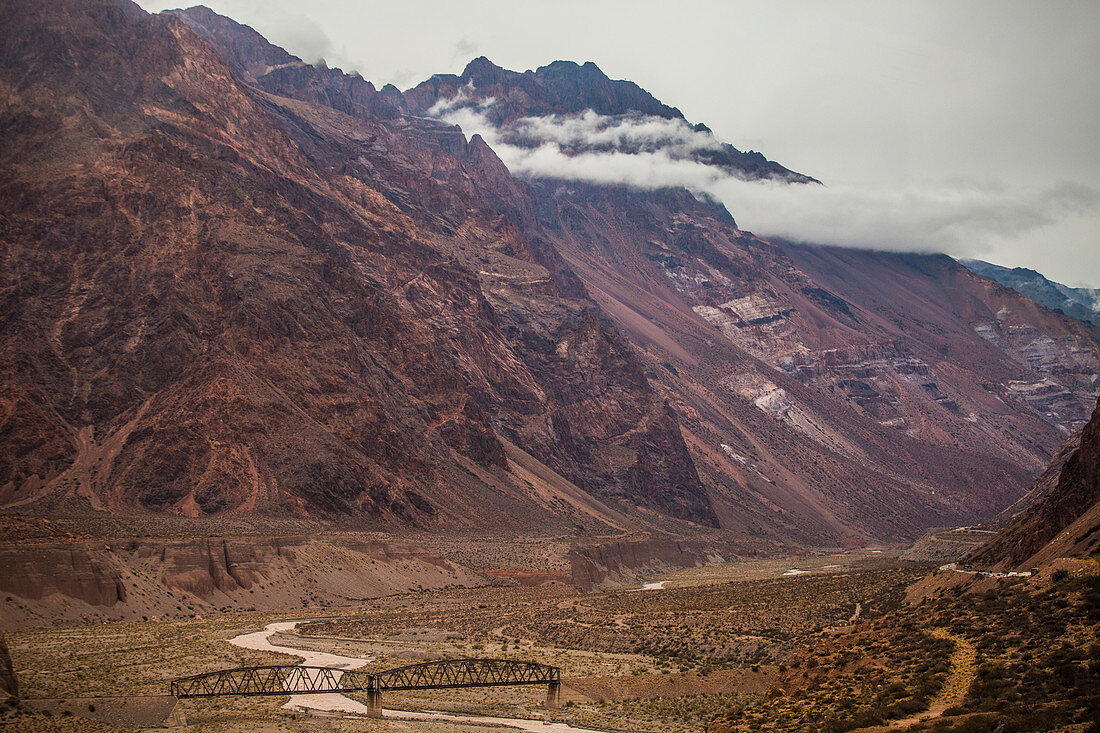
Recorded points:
(299, 680)
(271, 680)
(474, 672)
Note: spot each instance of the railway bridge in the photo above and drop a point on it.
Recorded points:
(442, 674)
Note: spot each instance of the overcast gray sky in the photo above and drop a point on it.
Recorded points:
(967, 126)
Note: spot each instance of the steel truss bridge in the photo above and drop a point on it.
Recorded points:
(442, 674)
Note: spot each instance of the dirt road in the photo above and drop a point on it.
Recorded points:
(963, 669)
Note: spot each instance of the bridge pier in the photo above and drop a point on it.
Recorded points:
(374, 703)
(553, 695)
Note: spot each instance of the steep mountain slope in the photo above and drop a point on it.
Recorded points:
(863, 391)
(239, 283)
(791, 391)
(1081, 303)
(219, 300)
(1062, 521)
(764, 479)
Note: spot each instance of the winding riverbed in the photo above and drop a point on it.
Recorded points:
(655, 585)
(336, 703)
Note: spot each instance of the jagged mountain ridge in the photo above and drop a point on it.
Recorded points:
(561, 87)
(567, 89)
(556, 421)
(1080, 303)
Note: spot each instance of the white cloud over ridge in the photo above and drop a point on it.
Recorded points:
(873, 94)
(638, 133)
(961, 219)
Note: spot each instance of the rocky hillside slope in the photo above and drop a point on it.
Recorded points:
(241, 284)
(1063, 520)
(222, 300)
(865, 391)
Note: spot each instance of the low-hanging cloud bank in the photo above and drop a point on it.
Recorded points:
(650, 153)
(961, 220)
(592, 131)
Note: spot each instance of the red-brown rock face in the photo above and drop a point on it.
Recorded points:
(1063, 521)
(235, 282)
(857, 391)
(69, 571)
(71, 580)
(220, 300)
(860, 391)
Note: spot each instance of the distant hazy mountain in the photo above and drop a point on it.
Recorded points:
(1080, 303)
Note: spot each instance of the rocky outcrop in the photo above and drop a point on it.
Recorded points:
(594, 565)
(76, 572)
(1063, 521)
(201, 567)
(50, 583)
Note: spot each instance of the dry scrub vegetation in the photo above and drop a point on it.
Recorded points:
(1037, 666)
(772, 654)
(886, 670)
(136, 658)
(668, 660)
(732, 623)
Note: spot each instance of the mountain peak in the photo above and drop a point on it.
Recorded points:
(560, 87)
(564, 66)
(248, 53)
(1080, 303)
(263, 64)
(482, 69)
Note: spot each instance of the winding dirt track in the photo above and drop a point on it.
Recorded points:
(959, 679)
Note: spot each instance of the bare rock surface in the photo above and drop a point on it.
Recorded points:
(1063, 520)
(225, 301)
(243, 286)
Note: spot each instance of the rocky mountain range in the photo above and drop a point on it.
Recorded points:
(238, 284)
(1081, 303)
